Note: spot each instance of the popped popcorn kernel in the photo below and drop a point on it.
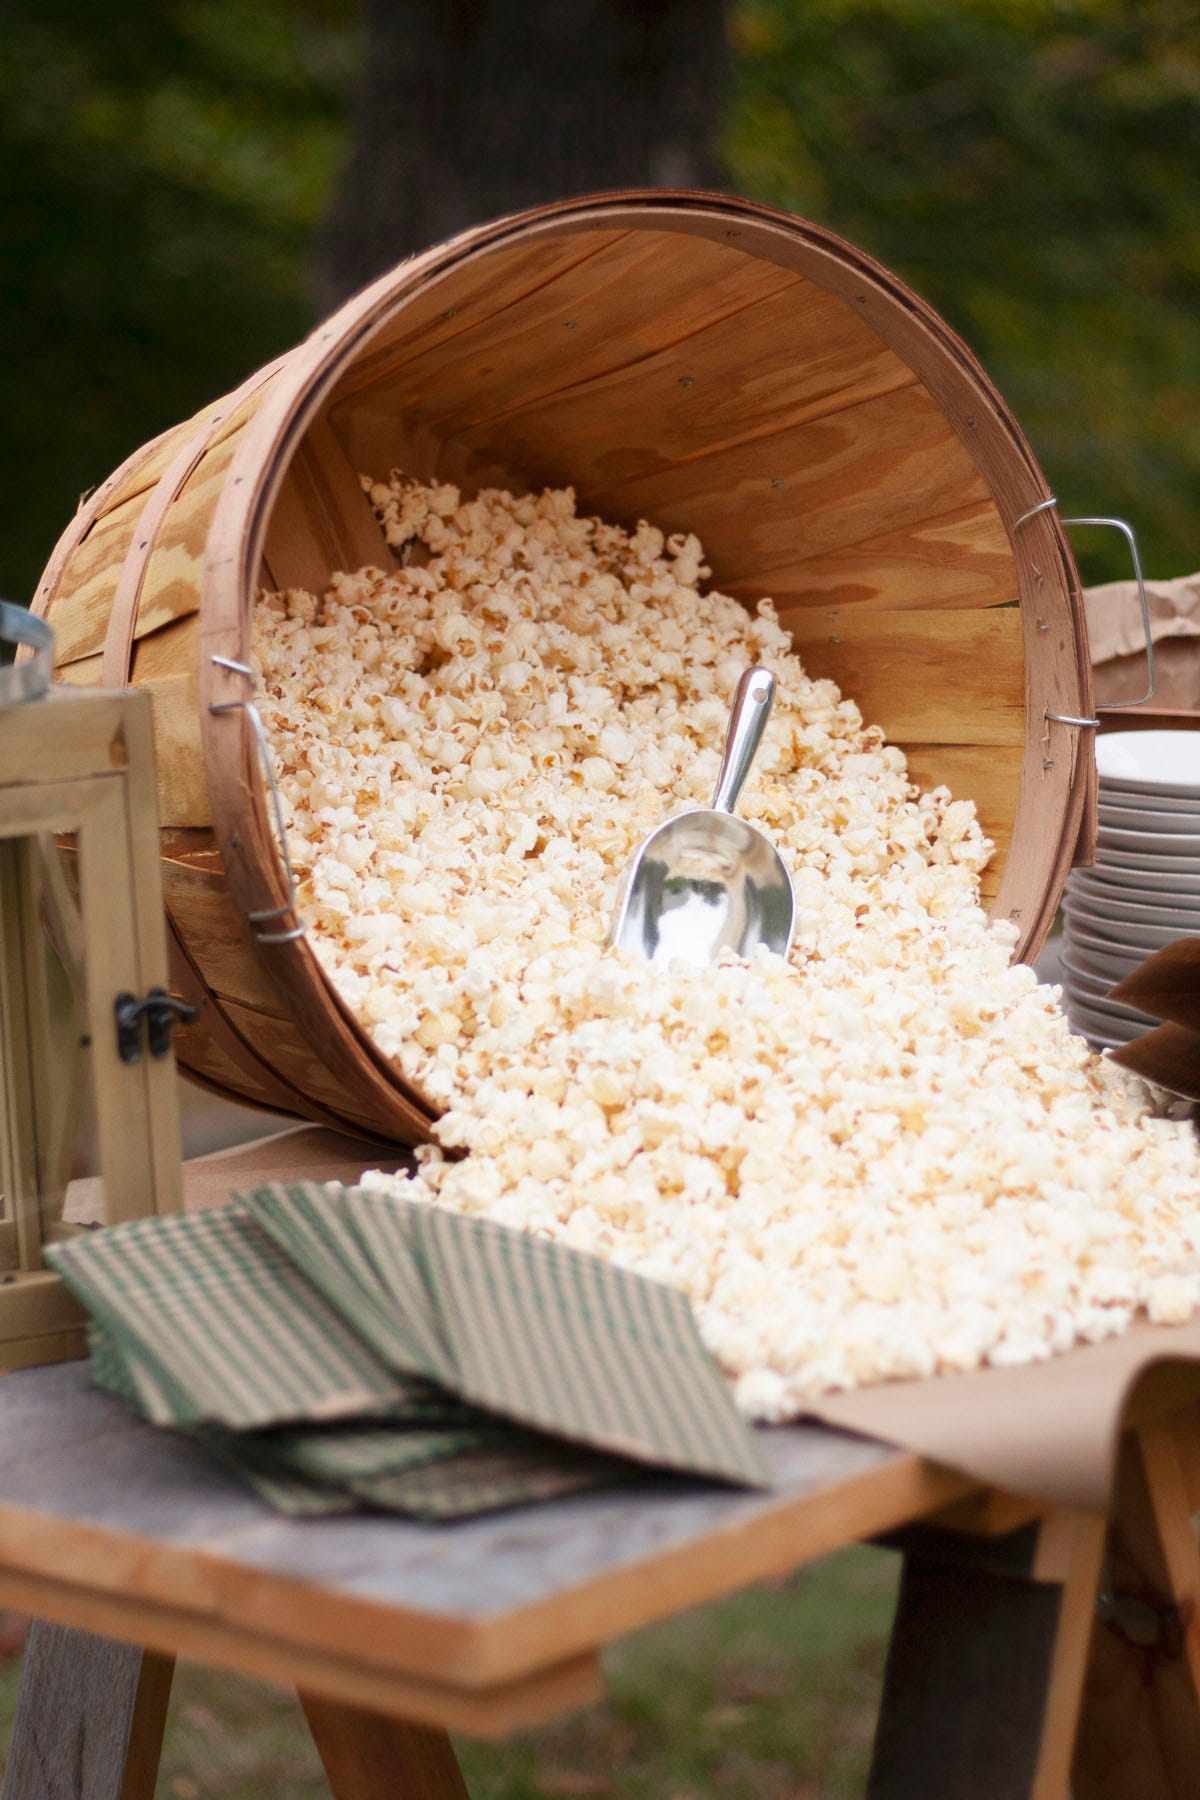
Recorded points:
(883, 1158)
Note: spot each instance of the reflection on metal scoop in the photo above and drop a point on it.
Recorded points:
(706, 880)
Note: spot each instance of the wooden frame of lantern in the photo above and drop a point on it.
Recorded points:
(78, 765)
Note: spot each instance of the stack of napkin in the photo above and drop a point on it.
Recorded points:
(341, 1348)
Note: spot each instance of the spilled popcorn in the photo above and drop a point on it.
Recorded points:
(886, 1156)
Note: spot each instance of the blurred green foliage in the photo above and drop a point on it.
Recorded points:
(162, 169)
(1028, 165)
(1032, 167)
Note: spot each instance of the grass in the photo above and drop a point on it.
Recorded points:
(770, 1695)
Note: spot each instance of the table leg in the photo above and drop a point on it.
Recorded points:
(368, 1756)
(1140, 1736)
(986, 1666)
(89, 1720)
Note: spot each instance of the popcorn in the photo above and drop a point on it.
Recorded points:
(884, 1157)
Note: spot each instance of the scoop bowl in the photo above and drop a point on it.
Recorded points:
(705, 880)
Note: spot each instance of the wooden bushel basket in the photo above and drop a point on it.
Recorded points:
(700, 361)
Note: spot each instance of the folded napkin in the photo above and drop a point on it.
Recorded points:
(341, 1348)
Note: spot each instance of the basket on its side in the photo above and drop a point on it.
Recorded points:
(697, 360)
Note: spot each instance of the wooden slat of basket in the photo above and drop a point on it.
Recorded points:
(958, 560)
(702, 394)
(167, 651)
(925, 677)
(140, 480)
(841, 478)
(170, 585)
(178, 751)
(241, 1003)
(345, 1078)
(322, 521)
(82, 601)
(214, 1049)
(590, 322)
(90, 508)
(446, 312)
(215, 941)
(128, 608)
(305, 1068)
(94, 545)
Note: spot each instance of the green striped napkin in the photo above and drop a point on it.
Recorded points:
(359, 1249)
(218, 1326)
(343, 1348)
(432, 1475)
(568, 1344)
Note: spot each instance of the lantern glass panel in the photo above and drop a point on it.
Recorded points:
(49, 1105)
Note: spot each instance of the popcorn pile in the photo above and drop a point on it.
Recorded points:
(885, 1156)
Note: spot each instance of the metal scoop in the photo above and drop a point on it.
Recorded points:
(706, 879)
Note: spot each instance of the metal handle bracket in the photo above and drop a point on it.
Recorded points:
(264, 914)
(1127, 532)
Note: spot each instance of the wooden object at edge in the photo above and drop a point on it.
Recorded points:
(80, 763)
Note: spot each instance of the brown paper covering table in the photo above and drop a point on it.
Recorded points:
(395, 1632)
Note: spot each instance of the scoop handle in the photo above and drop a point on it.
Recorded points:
(747, 722)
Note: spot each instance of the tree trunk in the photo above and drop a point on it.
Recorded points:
(472, 108)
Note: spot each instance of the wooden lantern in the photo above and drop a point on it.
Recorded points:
(82, 986)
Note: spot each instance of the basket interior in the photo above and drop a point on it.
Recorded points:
(667, 375)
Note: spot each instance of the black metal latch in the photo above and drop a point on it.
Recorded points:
(161, 1011)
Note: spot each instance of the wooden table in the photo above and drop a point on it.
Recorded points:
(394, 1632)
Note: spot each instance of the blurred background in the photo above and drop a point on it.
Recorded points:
(188, 184)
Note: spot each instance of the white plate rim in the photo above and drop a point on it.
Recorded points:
(1117, 878)
(1133, 954)
(1122, 839)
(1154, 784)
(1171, 824)
(1105, 1030)
(1075, 934)
(1152, 937)
(1185, 802)
(1123, 893)
(1131, 910)
(1146, 859)
(1098, 1003)
(1084, 973)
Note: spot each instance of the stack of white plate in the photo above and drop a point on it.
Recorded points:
(1144, 890)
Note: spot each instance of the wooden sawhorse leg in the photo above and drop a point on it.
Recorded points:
(1140, 1733)
(89, 1721)
(90, 1717)
(985, 1672)
(367, 1756)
